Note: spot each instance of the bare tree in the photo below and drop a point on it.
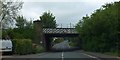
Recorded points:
(8, 12)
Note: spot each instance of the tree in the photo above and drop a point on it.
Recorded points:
(100, 30)
(0, 8)
(20, 22)
(29, 24)
(9, 11)
(48, 20)
(23, 27)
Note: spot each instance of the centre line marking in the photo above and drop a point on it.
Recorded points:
(62, 56)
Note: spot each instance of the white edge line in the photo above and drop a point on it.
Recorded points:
(91, 56)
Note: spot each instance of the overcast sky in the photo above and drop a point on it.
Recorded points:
(65, 11)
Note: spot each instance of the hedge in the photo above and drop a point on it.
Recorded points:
(22, 46)
(25, 46)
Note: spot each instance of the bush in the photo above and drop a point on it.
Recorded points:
(22, 46)
(73, 44)
(38, 48)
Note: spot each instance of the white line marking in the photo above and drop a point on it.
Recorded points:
(62, 56)
(91, 56)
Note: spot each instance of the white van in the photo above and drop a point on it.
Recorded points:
(5, 45)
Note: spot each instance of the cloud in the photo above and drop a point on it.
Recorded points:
(65, 12)
(93, 1)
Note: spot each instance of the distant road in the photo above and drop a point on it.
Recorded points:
(71, 55)
(62, 46)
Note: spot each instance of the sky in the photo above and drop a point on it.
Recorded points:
(66, 11)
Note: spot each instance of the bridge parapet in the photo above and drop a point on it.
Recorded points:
(59, 30)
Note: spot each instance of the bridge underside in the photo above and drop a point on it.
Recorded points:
(61, 35)
(49, 36)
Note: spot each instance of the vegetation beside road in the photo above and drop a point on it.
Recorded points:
(22, 34)
(25, 46)
(22, 46)
(111, 53)
(58, 40)
(100, 31)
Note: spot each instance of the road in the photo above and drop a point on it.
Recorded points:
(71, 55)
(62, 46)
(68, 55)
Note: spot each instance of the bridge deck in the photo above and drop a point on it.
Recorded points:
(60, 31)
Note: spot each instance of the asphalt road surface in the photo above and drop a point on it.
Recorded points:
(68, 55)
(71, 55)
(62, 46)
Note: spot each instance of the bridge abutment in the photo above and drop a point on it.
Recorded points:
(38, 33)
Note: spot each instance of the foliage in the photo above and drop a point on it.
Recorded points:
(73, 44)
(22, 46)
(16, 33)
(38, 49)
(21, 23)
(73, 41)
(99, 31)
(48, 20)
(29, 24)
(58, 40)
(24, 29)
(9, 10)
(0, 34)
(22, 33)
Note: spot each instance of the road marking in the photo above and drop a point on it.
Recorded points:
(62, 55)
(91, 56)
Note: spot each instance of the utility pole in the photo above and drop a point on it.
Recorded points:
(70, 25)
(61, 25)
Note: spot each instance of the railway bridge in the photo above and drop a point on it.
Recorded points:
(43, 35)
